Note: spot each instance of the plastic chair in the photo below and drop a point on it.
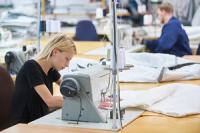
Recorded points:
(86, 31)
(6, 90)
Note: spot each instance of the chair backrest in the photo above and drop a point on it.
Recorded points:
(198, 50)
(6, 89)
(86, 31)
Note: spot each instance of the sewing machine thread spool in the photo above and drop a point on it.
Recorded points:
(121, 58)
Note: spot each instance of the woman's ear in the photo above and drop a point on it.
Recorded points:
(54, 52)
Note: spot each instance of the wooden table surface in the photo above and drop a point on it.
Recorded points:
(147, 123)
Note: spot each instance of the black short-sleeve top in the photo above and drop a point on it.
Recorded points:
(27, 105)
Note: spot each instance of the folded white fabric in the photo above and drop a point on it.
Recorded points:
(184, 101)
(144, 98)
(183, 73)
(140, 73)
(175, 100)
(154, 60)
(150, 67)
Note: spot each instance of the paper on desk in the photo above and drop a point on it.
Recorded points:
(176, 99)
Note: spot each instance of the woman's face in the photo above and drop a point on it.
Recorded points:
(60, 60)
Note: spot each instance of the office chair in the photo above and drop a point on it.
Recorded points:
(198, 50)
(86, 31)
(6, 89)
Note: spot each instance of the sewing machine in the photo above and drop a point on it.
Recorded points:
(82, 93)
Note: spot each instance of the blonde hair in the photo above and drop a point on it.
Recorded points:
(59, 41)
(168, 7)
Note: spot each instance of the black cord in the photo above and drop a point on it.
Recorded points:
(80, 112)
(110, 100)
(181, 65)
(108, 83)
(104, 38)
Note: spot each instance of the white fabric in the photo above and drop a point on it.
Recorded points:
(77, 64)
(140, 73)
(184, 101)
(150, 67)
(184, 73)
(144, 98)
(176, 100)
(154, 59)
(147, 68)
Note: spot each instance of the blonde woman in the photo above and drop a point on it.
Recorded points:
(33, 94)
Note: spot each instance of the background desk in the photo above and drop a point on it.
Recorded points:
(85, 46)
(195, 58)
(139, 86)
